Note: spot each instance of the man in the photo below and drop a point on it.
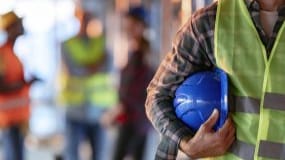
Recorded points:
(129, 114)
(87, 90)
(244, 38)
(14, 90)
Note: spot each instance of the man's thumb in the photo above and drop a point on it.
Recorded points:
(211, 121)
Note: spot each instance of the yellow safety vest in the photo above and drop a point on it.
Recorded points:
(256, 83)
(85, 52)
(96, 90)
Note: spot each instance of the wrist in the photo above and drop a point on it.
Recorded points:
(186, 146)
(182, 144)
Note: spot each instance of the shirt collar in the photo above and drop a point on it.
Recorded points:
(249, 2)
(253, 4)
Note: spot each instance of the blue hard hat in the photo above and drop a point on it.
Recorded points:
(140, 13)
(197, 97)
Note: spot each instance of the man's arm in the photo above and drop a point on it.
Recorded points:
(8, 87)
(187, 56)
(11, 87)
(192, 51)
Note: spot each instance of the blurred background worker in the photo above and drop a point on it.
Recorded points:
(68, 67)
(87, 90)
(14, 90)
(129, 114)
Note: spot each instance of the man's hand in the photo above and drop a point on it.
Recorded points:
(207, 142)
(109, 117)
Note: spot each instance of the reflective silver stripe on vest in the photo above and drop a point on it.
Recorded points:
(14, 103)
(243, 150)
(244, 104)
(274, 101)
(271, 150)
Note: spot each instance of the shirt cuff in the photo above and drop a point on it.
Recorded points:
(168, 146)
(184, 132)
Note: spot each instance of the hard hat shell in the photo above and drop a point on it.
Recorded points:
(197, 97)
(7, 19)
(140, 13)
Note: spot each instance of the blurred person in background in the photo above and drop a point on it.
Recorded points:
(87, 90)
(129, 114)
(14, 89)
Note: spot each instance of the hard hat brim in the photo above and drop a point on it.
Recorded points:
(224, 108)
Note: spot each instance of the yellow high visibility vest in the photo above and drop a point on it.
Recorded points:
(96, 90)
(256, 83)
(85, 52)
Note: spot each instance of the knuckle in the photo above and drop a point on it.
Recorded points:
(222, 136)
(204, 126)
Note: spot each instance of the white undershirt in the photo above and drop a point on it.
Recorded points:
(268, 20)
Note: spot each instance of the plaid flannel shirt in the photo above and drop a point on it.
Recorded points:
(192, 51)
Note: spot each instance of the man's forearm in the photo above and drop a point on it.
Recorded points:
(164, 119)
(162, 115)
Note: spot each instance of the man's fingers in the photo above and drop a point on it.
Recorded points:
(231, 138)
(211, 121)
(229, 135)
(227, 127)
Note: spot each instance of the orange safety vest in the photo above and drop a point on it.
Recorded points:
(14, 105)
